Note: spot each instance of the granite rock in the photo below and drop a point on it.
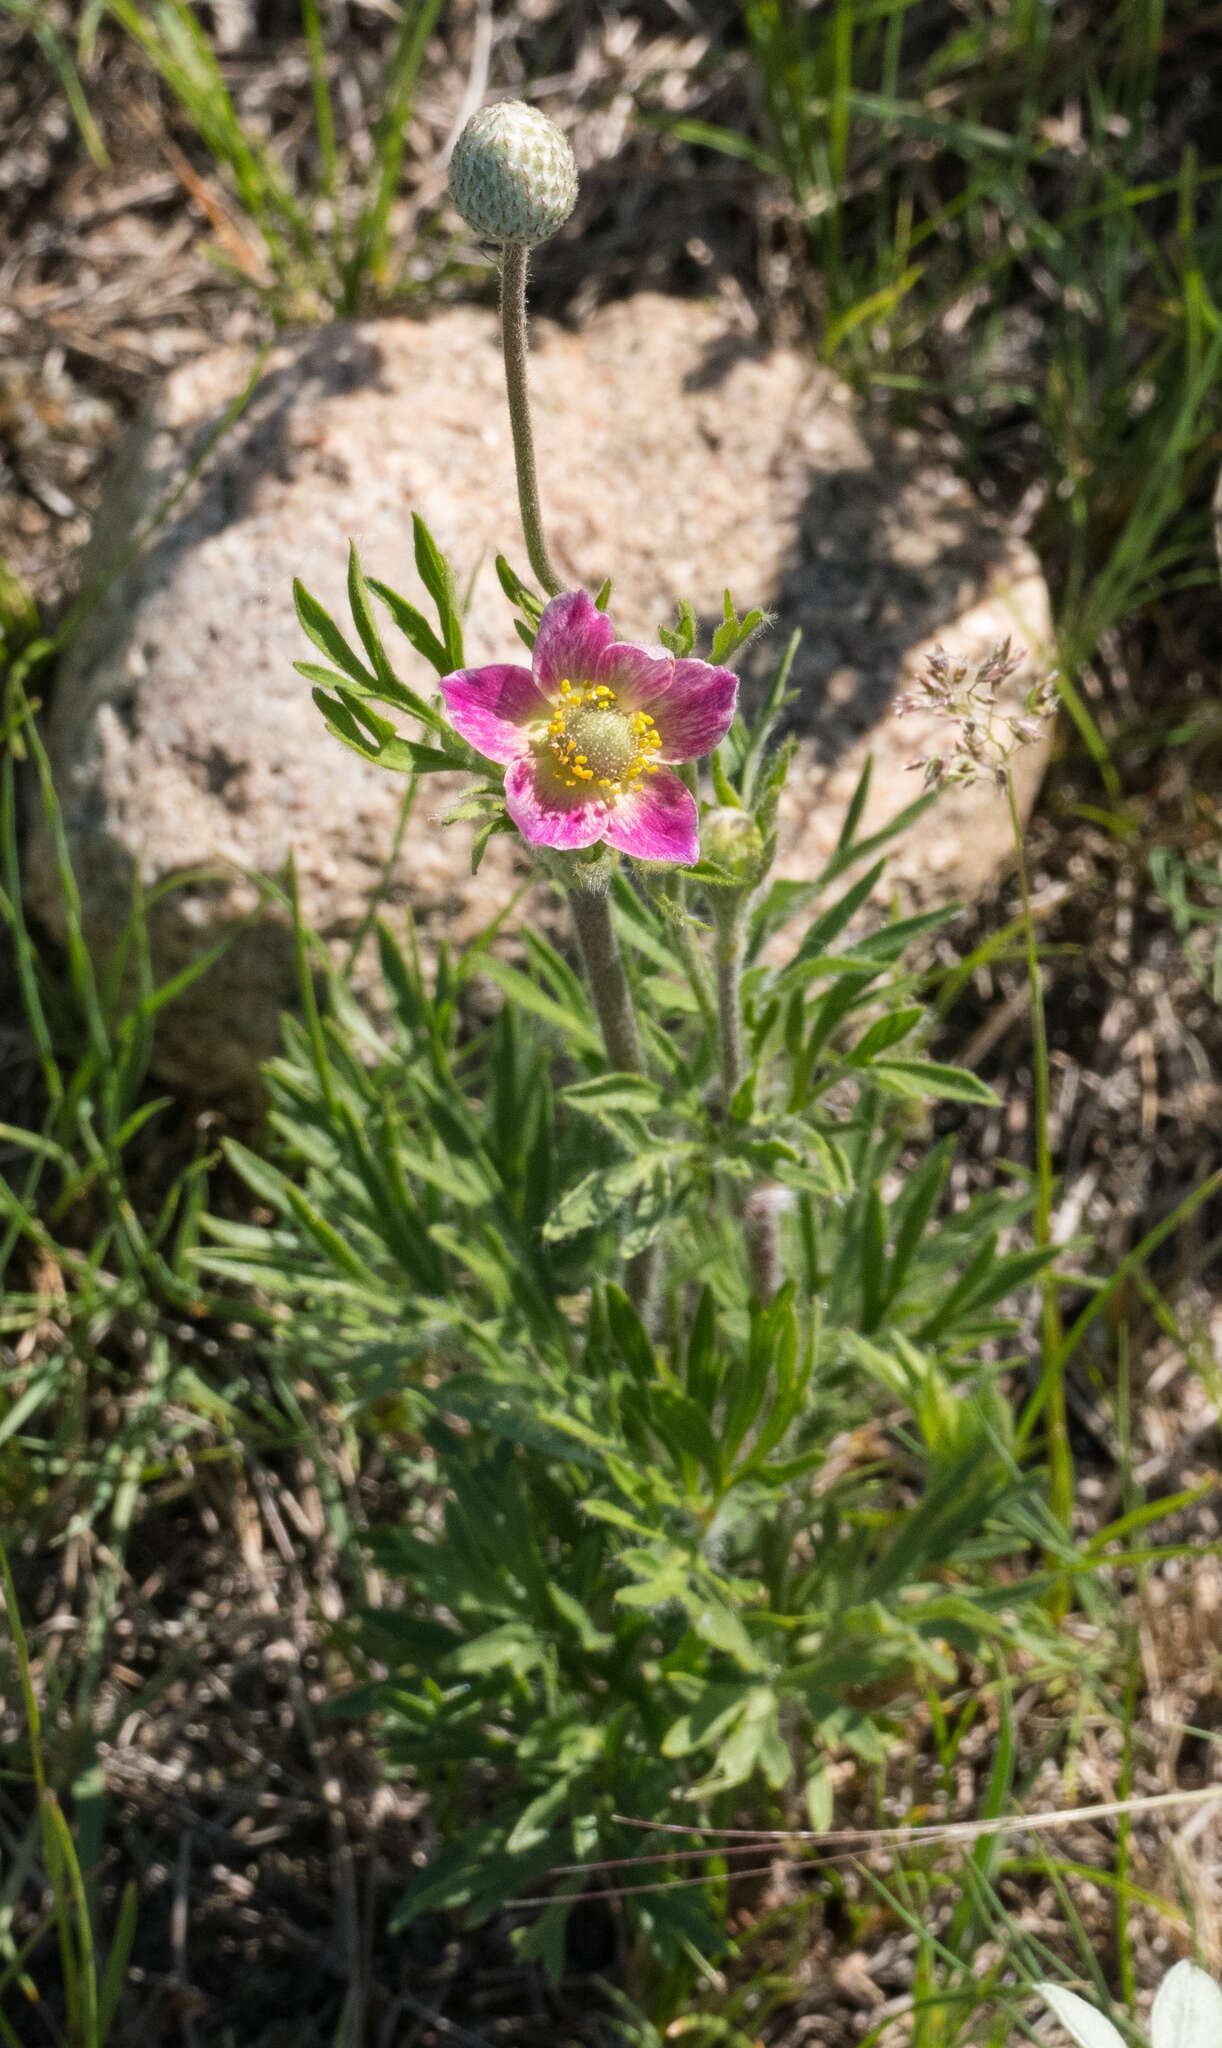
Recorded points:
(676, 452)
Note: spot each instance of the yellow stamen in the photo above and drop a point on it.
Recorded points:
(622, 742)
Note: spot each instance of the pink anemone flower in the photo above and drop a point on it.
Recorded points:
(587, 736)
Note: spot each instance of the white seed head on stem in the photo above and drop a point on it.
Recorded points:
(966, 696)
(513, 176)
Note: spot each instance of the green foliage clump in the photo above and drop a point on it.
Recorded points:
(659, 1554)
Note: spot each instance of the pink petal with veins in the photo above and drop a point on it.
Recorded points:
(490, 707)
(572, 636)
(657, 820)
(638, 675)
(546, 813)
(696, 712)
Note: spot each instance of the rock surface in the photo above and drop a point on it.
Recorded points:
(674, 452)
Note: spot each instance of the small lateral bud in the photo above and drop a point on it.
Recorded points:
(734, 840)
(513, 176)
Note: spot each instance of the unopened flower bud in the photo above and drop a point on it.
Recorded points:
(513, 176)
(762, 1212)
(734, 841)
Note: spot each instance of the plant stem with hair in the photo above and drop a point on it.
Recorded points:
(672, 891)
(513, 343)
(761, 1209)
(604, 965)
(729, 924)
(1050, 1394)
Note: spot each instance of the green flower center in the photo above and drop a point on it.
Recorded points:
(593, 742)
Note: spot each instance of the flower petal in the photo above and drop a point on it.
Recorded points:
(491, 706)
(696, 712)
(657, 820)
(572, 636)
(548, 814)
(638, 675)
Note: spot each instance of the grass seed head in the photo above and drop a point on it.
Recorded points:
(984, 736)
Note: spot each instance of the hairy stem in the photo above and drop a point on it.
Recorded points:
(694, 964)
(513, 343)
(761, 1209)
(1051, 1392)
(729, 922)
(697, 975)
(604, 965)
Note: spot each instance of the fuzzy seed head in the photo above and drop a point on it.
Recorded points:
(513, 176)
